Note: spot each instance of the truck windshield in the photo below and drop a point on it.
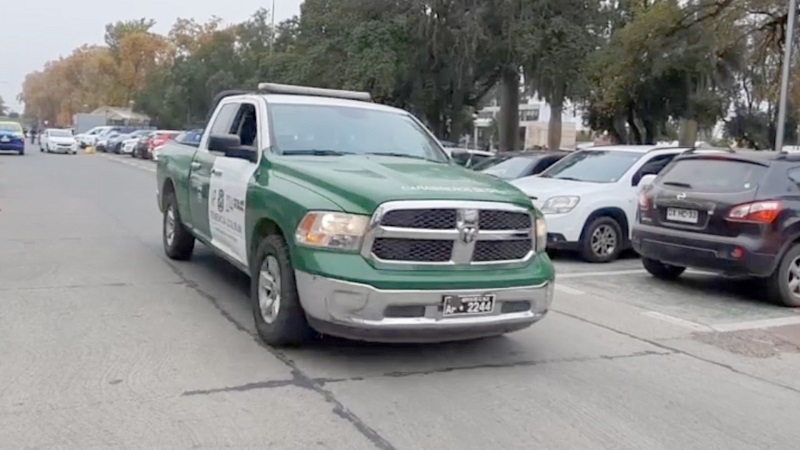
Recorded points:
(593, 166)
(350, 130)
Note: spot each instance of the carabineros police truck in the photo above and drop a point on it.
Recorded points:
(352, 221)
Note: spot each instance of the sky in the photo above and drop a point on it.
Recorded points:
(40, 31)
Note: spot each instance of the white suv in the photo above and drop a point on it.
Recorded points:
(589, 197)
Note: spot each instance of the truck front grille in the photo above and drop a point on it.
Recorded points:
(450, 232)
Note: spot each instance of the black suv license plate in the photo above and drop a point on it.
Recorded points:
(467, 305)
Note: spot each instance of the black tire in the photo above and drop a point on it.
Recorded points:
(662, 271)
(606, 224)
(181, 245)
(777, 285)
(289, 327)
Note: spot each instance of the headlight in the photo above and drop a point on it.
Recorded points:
(560, 204)
(540, 234)
(19, 135)
(332, 230)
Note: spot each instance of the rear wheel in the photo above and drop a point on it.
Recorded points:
(662, 271)
(279, 316)
(178, 241)
(602, 240)
(783, 286)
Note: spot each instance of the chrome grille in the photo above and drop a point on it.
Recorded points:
(449, 232)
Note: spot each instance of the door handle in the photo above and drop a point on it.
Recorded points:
(216, 172)
(196, 165)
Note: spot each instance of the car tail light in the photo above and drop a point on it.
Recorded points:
(759, 212)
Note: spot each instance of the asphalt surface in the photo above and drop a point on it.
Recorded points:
(106, 344)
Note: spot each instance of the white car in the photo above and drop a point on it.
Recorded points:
(56, 140)
(89, 138)
(589, 197)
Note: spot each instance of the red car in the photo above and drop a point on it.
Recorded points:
(156, 140)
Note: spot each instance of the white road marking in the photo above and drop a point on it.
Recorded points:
(568, 290)
(607, 273)
(694, 326)
(758, 324)
(131, 163)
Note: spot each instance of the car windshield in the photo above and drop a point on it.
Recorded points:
(10, 126)
(60, 133)
(350, 130)
(506, 167)
(593, 166)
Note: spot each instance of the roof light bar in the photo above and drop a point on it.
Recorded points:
(288, 89)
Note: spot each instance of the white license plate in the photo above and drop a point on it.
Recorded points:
(5, 139)
(467, 305)
(682, 215)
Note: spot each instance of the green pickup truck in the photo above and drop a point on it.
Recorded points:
(352, 221)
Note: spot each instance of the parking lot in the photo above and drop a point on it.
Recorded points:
(107, 343)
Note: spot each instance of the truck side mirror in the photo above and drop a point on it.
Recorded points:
(223, 142)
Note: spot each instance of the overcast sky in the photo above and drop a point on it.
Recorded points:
(35, 32)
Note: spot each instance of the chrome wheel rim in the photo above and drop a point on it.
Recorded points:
(793, 278)
(169, 225)
(604, 240)
(269, 289)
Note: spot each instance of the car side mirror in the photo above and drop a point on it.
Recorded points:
(646, 181)
(223, 142)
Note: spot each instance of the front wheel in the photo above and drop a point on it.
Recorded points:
(279, 316)
(602, 240)
(662, 271)
(178, 241)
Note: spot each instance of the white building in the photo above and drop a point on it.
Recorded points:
(534, 117)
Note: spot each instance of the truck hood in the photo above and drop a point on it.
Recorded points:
(359, 183)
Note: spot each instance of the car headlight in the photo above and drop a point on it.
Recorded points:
(540, 234)
(19, 135)
(560, 204)
(332, 230)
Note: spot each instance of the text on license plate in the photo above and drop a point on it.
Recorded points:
(460, 305)
(682, 215)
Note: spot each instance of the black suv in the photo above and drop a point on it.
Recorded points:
(736, 213)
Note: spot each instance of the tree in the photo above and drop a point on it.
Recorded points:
(116, 32)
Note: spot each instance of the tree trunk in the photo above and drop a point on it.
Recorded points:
(649, 132)
(635, 133)
(687, 136)
(554, 126)
(509, 110)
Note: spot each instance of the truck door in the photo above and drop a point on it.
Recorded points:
(201, 167)
(230, 179)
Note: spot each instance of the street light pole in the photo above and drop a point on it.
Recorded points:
(272, 37)
(787, 62)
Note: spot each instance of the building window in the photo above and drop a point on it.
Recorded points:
(529, 115)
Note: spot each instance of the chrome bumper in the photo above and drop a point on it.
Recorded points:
(359, 311)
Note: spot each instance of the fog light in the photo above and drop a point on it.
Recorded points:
(737, 253)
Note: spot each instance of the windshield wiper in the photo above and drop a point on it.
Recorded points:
(316, 152)
(566, 178)
(677, 184)
(401, 155)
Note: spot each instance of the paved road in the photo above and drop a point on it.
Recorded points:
(106, 344)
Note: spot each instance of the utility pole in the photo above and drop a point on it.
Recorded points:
(272, 37)
(787, 62)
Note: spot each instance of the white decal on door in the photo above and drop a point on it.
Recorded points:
(227, 203)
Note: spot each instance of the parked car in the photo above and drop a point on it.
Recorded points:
(733, 213)
(157, 142)
(336, 239)
(104, 140)
(191, 137)
(89, 139)
(467, 157)
(12, 138)
(128, 144)
(513, 165)
(55, 140)
(589, 196)
(116, 145)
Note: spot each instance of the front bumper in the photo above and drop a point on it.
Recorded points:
(359, 311)
(13, 146)
(563, 230)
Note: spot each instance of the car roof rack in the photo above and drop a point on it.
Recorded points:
(289, 89)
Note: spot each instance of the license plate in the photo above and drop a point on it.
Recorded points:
(4, 139)
(682, 215)
(467, 305)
